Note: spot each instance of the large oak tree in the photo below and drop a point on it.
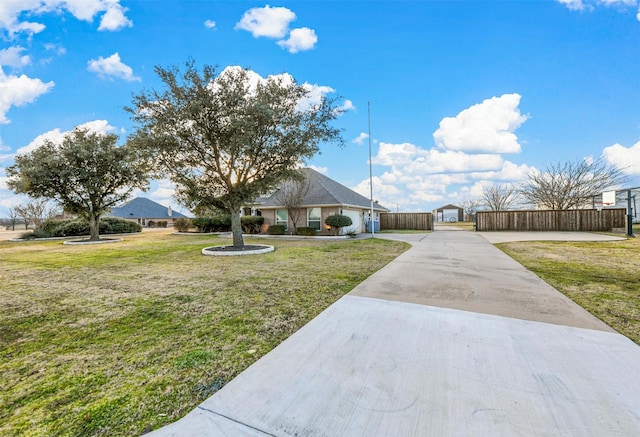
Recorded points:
(225, 139)
(87, 174)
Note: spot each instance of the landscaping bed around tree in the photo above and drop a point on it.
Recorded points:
(602, 277)
(123, 338)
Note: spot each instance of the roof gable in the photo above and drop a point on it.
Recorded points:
(325, 191)
(141, 207)
(449, 206)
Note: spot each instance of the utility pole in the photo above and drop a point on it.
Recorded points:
(629, 215)
(371, 221)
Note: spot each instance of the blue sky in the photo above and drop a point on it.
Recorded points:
(463, 94)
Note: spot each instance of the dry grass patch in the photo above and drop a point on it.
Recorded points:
(468, 226)
(602, 277)
(122, 338)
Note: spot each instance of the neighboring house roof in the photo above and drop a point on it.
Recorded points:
(449, 206)
(324, 191)
(141, 207)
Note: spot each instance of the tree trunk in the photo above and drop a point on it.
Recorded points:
(236, 228)
(94, 227)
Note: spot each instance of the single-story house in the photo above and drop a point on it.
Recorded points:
(146, 212)
(449, 213)
(316, 198)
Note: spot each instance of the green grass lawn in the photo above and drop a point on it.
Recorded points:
(122, 338)
(602, 277)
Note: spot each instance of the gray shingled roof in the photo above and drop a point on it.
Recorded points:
(141, 207)
(325, 191)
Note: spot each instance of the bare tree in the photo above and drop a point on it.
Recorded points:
(13, 218)
(291, 196)
(470, 207)
(21, 212)
(570, 184)
(36, 212)
(500, 197)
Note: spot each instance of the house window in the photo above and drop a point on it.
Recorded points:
(314, 218)
(282, 217)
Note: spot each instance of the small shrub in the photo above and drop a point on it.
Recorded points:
(182, 224)
(74, 228)
(306, 231)
(220, 223)
(114, 225)
(80, 227)
(151, 224)
(201, 224)
(276, 230)
(53, 228)
(337, 221)
(251, 224)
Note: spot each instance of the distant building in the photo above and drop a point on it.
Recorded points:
(146, 212)
(449, 213)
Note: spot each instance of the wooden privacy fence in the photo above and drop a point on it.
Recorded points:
(420, 221)
(604, 220)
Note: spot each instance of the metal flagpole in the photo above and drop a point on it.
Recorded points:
(371, 221)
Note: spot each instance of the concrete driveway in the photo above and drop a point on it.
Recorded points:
(453, 338)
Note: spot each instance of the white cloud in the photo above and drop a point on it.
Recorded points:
(398, 154)
(315, 95)
(57, 49)
(114, 18)
(454, 162)
(56, 135)
(434, 175)
(468, 154)
(347, 106)
(619, 2)
(267, 21)
(477, 189)
(484, 127)
(323, 170)
(165, 190)
(509, 171)
(315, 92)
(111, 67)
(574, 5)
(386, 194)
(98, 126)
(162, 192)
(10, 10)
(13, 11)
(625, 158)
(210, 24)
(582, 5)
(13, 57)
(299, 40)
(274, 23)
(360, 138)
(18, 91)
